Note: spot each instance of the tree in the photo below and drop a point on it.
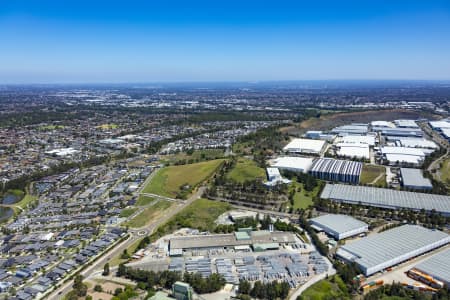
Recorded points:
(98, 288)
(106, 270)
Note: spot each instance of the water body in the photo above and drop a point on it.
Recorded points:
(5, 213)
(10, 199)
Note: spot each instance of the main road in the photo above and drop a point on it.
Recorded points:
(134, 235)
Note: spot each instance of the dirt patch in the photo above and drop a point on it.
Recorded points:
(326, 122)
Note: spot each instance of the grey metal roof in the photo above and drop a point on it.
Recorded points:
(437, 266)
(339, 223)
(414, 177)
(376, 249)
(386, 198)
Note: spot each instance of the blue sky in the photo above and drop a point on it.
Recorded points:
(147, 41)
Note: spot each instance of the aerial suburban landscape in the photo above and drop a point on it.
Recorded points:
(218, 150)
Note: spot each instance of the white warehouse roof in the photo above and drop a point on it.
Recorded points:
(380, 251)
(353, 150)
(359, 139)
(417, 143)
(437, 266)
(340, 226)
(406, 123)
(296, 164)
(440, 124)
(305, 146)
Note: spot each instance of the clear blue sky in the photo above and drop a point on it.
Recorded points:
(146, 41)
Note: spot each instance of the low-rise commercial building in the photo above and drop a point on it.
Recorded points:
(413, 179)
(339, 226)
(305, 146)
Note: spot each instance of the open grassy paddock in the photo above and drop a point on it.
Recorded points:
(246, 170)
(200, 214)
(331, 288)
(170, 181)
(370, 173)
(445, 171)
(125, 213)
(144, 200)
(303, 199)
(149, 214)
(198, 155)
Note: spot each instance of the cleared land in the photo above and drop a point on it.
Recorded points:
(246, 170)
(125, 213)
(144, 200)
(445, 171)
(149, 213)
(170, 181)
(328, 121)
(331, 288)
(200, 214)
(196, 156)
(373, 175)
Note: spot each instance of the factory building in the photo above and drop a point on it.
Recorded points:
(339, 226)
(411, 132)
(405, 155)
(336, 170)
(353, 150)
(293, 163)
(413, 179)
(438, 267)
(406, 124)
(319, 135)
(274, 177)
(238, 240)
(386, 198)
(305, 146)
(355, 128)
(411, 142)
(389, 248)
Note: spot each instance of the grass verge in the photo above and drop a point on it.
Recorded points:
(148, 214)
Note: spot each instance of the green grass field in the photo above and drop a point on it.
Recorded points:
(303, 199)
(26, 200)
(370, 172)
(144, 200)
(148, 214)
(200, 214)
(125, 213)
(331, 288)
(445, 171)
(198, 155)
(170, 180)
(246, 170)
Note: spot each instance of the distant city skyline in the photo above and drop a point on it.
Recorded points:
(188, 41)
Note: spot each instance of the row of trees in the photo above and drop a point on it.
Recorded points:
(271, 290)
(398, 291)
(321, 247)
(151, 280)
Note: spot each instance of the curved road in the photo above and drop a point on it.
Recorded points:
(116, 250)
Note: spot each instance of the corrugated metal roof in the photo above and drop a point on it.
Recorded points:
(376, 249)
(437, 266)
(386, 198)
(339, 223)
(414, 177)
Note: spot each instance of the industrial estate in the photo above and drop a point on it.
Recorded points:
(183, 199)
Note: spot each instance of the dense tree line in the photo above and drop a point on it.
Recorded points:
(348, 272)
(271, 290)
(398, 291)
(321, 247)
(151, 280)
(309, 181)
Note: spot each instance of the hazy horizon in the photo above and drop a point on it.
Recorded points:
(75, 42)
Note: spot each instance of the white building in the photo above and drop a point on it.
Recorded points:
(305, 146)
(295, 164)
(339, 226)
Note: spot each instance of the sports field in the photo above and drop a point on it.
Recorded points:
(174, 180)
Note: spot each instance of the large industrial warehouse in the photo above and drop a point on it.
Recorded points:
(339, 226)
(336, 170)
(258, 240)
(293, 163)
(437, 266)
(378, 252)
(386, 198)
(305, 146)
